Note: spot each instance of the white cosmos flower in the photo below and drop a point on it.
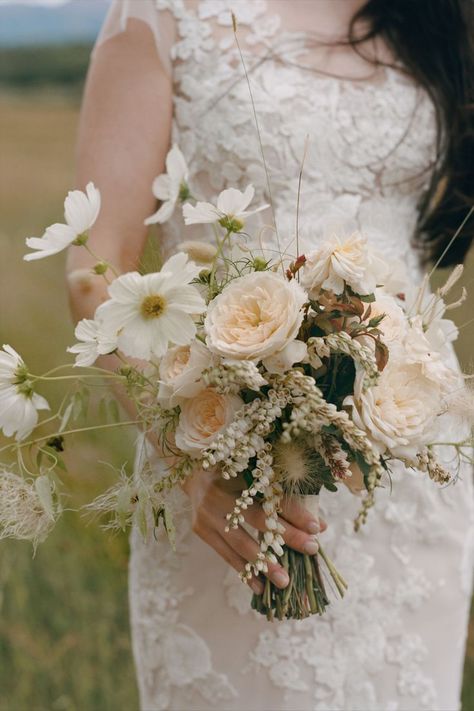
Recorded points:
(180, 371)
(230, 211)
(19, 404)
(168, 186)
(148, 312)
(203, 417)
(255, 316)
(80, 211)
(342, 259)
(94, 340)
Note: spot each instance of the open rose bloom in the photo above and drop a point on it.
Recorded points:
(286, 376)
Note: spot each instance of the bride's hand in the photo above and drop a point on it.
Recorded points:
(212, 499)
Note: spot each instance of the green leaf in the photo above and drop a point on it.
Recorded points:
(85, 402)
(114, 410)
(374, 322)
(60, 463)
(77, 406)
(103, 410)
(367, 298)
(45, 494)
(381, 355)
(66, 416)
(140, 517)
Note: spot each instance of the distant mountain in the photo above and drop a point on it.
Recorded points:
(76, 21)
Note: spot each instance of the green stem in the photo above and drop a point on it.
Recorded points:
(69, 365)
(335, 575)
(68, 432)
(103, 261)
(313, 605)
(220, 249)
(76, 377)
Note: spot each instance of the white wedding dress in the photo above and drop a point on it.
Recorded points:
(397, 640)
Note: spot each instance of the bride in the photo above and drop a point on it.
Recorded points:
(376, 94)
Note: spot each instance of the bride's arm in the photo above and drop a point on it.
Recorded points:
(124, 135)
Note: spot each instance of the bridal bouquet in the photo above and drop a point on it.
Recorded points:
(288, 376)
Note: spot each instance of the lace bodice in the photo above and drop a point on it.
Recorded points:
(370, 140)
(370, 144)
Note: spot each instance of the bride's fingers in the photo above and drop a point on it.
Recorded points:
(233, 558)
(294, 537)
(294, 512)
(245, 546)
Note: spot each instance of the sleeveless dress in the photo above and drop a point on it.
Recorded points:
(397, 640)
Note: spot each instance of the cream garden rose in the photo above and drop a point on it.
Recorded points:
(394, 325)
(180, 372)
(340, 259)
(203, 417)
(418, 349)
(255, 316)
(399, 412)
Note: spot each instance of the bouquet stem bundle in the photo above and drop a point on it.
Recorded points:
(306, 593)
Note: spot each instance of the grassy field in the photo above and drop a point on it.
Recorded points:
(64, 638)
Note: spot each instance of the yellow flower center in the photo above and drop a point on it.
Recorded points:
(153, 306)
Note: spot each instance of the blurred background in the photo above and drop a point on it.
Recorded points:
(64, 637)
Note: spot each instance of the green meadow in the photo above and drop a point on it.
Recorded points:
(64, 635)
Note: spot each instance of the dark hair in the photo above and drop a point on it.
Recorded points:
(434, 39)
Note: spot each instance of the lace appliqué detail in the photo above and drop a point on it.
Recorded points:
(175, 663)
(338, 658)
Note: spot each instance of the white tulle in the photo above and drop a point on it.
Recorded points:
(397, 641)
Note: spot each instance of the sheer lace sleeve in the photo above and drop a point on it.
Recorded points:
(160, 23)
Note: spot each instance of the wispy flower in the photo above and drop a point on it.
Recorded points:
(28, 510)
(80, 212)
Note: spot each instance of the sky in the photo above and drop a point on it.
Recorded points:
(47, 3)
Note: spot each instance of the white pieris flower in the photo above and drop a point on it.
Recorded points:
(94, 340)
(80, 211)
(19, 404)
(169, 186)
(147, 312)
(230, 211)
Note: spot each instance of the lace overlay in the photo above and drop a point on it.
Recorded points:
(397, 640)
